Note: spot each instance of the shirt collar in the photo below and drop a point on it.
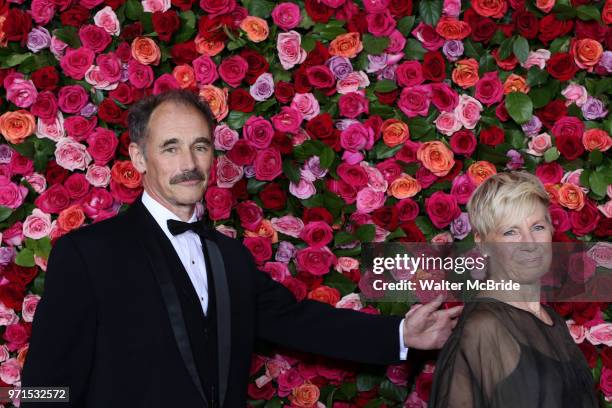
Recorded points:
(161, 214)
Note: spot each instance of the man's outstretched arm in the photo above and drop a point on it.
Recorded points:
(64, 328)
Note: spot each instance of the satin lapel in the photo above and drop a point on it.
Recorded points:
(223, 315)
(145, 234)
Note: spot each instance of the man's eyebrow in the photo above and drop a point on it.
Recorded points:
(168, 142)
(203, 139)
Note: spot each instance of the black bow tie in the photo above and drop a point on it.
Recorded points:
(178, 227)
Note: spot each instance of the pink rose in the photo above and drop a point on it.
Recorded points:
(7, 316)
(153, 6)
(205, 70)
(289, 379)
(286, 15)
(42, 11)
(37, 225)
(357, 137)
(289, 49)
(398, 374)
(16, 335)
(287, 120)
(13, 235)
(303, 190)
(350, 301)
(250, 214)
(442, 209)
(37, 181)
(353, 104)
(10, 371)
(258, 132)
(605, 382)
(600, 334)
(228, 172)
(428, 36)
(316, 261)
(98, 176)
(277, 270)
(72, 98)
(539, 144)
(225, 137)
(601, 253)
(71, 155)
(414, 100)
(11, 195)
(75, 63)
(489, 89)
(219, 202)
(577, 331)
(352, 82)
(288, 225)
(447, 123)
(22, 92)
(537, 58)
(451, 8)
(307, 104)
(468, 111)
(233, 70)
(575, 93)
(107, 19)
(268, 164)
(369, 200)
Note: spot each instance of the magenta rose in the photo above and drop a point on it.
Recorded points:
(316, 261)
(414, 100)
(258, 132)
(11, 195)
(233, 70)
(442, 209)
(353, 104)
(77, 185)
(219, 202)
(286, 15)
(53, 200)
(205, 70)
(489, 89)
(102, 145)
(357, 137)
(317, 234)
(216, 7)
(444, 97)
(409, 73)
(268, 164)
(75, 63)
(78, 127)
(250, 214)
(95, 38)
(72, 98)
(288, 120)
(140, 75)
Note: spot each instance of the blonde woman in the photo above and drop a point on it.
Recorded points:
(508, 350)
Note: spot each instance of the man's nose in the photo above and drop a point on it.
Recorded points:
(187, 161)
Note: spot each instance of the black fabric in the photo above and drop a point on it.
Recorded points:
(502, 356)
(112, 326)
(199, 227)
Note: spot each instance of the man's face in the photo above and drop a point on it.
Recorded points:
(178, 155)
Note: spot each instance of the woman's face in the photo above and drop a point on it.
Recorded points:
(520, 250)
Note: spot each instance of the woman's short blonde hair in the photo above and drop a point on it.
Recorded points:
(505, 196)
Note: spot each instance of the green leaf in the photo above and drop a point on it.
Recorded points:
(597, 180)
(420, 127)
(472, 49)
(133, 10)
(342, 238)
(520, 47)
(25, 258)
(393, 392)
(595, 158)
(254, 186)
(291, 170)
(559, 45)
(338, 281)
(405, 24)
(236, 119)
(430, 11)
(261, 8)
(5, 212)
(382, 151)
(385, 85)
(366, 382)
(26, 148)
(564, 11)
(366, 232)
(326, 157)
(188, 24)
(551, 154)
(414, 49)
(505, 48)
(14, 60)
(328, 32)
(519, 107)
(374, 45)
(588, 12)
(274, 403)
(536, 76)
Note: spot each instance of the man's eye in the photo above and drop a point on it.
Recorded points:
(170, 149)
(202, 148)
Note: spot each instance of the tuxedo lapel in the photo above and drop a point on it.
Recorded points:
(223, 314)
(145, 235)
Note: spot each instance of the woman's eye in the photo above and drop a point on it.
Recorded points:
(508, 233)
(539, 227)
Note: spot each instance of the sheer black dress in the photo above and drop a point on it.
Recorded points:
(502, 356)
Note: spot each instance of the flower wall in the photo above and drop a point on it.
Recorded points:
(340, 122)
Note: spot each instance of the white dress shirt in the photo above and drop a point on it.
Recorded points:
(189, 249)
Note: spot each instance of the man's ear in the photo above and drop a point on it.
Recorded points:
(137, 157)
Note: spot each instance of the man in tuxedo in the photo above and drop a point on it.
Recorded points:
(153, 308)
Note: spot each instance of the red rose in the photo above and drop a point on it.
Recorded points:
(250, 214)
(317, 234)
(45, 78)
(218, 6)
(19, 274)
(442, 209)
(325, 294)
(407, 209)
(316, 261)
(17, 25)
(265, 392)
(233, 70)
(387, 98)
(434, 66)
(239, 190)
(590, 29)
(321, 127)
(102, 145)
(353, 104)
(166, 24)
(53, 200)
(219, 202)
(317, 214)
(400, 8)
(526, 24)
(242, 153)
(77, 186)
(320, 76)
(483, 28)
(273, 197)
(551, 27)
(241, 100)
(585, 220)
(284, 91)
(75, 16)
(318, 12)
(492, 136)
(463, 142)
(257, 65)
(268, 164)
(413, 233)
(11, 295)
(114, 4)
(568, 136)
(17, 335)
(358, 23)
(282, 142)
(184, 53)
(131, 31)
(311, 281)
(604, 228)
(386, 217)
(297, 287)
(55, 173)
(110, 112)
(590, 353)
(260, 248)
(562, 66)
(182, 5)
(300, 80)
(552, 112)
(353, 174)
(122, 94)
(507, 64)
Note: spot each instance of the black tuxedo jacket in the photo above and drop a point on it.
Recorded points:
(111, 324)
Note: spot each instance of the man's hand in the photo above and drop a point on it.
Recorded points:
(426, 327)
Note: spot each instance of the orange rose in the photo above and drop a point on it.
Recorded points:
(465, 73)
(404, 186)
(256, 28)
(145, 51)
(436, 157)
(3, 37)
(596, 139)
(210, 48)
(124, 173)
(587, 53)
(480, 171)
(571, 196)
(15, 126)
(305, 396)
(217, 100)
(71, 218)
(515, 83)
(346, 45)
(490, 8)
(553, 192)
(325, 294)
(265, 229)
(451, 28)
(184, 75)
(545, 5)
(394, 132)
